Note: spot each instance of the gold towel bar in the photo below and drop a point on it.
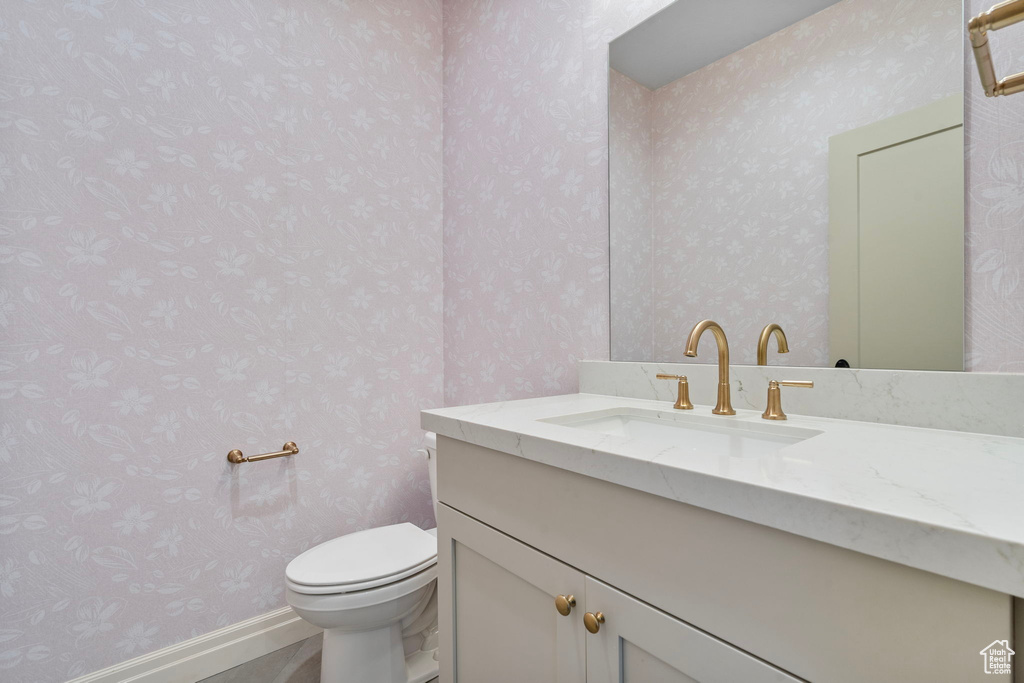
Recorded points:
(289, 448)
(1000, 16)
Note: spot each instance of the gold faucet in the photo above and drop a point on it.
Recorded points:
(762, 343)
(724, 405)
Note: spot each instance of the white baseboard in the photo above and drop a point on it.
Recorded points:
(220, 650)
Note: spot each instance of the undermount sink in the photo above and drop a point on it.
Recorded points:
(699, 434)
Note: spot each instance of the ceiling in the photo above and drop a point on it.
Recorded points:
(690, 34)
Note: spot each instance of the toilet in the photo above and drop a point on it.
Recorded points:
(374, 594)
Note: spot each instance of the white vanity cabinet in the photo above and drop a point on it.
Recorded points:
(687, 594)
(506, 626)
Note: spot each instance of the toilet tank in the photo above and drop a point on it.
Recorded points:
(430, 449)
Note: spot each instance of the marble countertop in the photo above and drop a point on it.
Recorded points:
(947, 502)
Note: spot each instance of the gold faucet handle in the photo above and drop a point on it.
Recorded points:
(682, 392)
(774, 409)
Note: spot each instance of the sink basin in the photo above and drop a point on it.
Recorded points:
(699, 434)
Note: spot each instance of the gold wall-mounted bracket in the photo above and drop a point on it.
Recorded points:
(237, 457)
(774, 409)
(1000, 16)
(682, 391)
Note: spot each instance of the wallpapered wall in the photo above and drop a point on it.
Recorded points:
(740, 219)
(525, 210)
(631, 213)
(995, 212)
(221, 228)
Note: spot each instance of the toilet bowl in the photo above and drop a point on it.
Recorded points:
(374, 594)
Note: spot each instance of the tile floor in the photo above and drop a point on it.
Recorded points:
(297, 663)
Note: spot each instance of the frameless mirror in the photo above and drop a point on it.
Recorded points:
(797, 162)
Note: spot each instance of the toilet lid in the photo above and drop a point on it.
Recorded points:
(374, 556)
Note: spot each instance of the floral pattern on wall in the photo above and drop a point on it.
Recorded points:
(221, 228)
(995, 211)
(741, 166)
(630, 207)
(525, 211)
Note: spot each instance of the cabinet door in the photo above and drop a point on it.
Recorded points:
(497, 616)
(640, 644)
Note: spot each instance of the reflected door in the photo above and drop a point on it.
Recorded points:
(896, 241)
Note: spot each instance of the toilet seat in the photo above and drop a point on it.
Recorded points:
(363, 560)
(347, 602)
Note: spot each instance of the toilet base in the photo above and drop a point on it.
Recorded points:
(374, 656)
(421, 666)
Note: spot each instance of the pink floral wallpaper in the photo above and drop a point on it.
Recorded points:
(995, 212)
(221, 228)
(525, 210)
(630, 208)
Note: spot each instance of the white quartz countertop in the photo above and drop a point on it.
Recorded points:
(947, 502)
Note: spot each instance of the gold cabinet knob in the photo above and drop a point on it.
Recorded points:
(593, 621)
(564, 604)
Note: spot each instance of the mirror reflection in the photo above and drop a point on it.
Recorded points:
(792, 163)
